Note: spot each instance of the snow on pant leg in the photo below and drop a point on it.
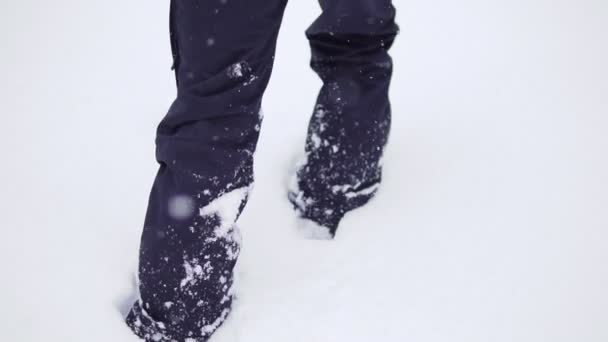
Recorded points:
(351, 121)
(223, 53)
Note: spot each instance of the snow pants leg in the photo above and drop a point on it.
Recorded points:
(223, 54)
(351, 120)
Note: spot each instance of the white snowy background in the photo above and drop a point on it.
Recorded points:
(492, 223)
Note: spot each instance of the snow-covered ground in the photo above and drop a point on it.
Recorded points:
(492, 223)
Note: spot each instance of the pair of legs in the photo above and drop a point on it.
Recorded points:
(223, 54)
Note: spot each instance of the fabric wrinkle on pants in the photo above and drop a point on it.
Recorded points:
(223, 56)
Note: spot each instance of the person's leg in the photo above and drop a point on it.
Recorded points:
(223, 53)
(351, 121)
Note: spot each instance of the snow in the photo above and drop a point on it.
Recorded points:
(491, 223)
(236, 70)
(226, 207)
(194, 272)
(366, 191)
(312, 230)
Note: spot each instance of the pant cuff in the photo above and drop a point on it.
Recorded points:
(328, 211)
(150, 330)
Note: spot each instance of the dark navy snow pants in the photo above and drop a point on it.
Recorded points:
(223, 55)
